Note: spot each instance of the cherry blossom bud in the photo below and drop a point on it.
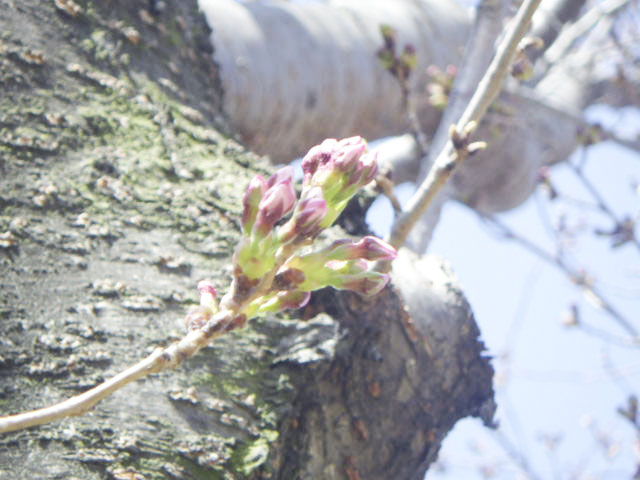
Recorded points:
(279, 301)
(368, 284)
(278, 201)
(349, 152)
(311, 210)
(320, 155)
(293, 299)
(283, 175)
(288, 279)
(372, 248)
(369, 166)
(199, 316)
(255, 191)
(208, 293)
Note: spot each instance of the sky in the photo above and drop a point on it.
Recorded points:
(557, 387)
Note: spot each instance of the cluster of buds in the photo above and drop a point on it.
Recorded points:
(440, 85)
(270, 272)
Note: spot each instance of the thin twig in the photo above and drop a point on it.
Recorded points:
(571, 35)
(450, 157)
(160, 359)
(476, 59)
(602, 205)
(513, 452)
(575, 276)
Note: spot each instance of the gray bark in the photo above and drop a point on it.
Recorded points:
(119, 191)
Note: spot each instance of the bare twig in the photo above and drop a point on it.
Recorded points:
(159, 360)
(480, 45)
(578, 278)
(450, 156)
(515, 454)
(571, 35)
(603, 207)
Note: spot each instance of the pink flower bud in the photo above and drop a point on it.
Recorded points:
(277, 302)
(311, 210)
(368, 284)
(293, 299)
(288, 279)
(283, 175)
(256, 189)
(318, 156)
(207, 290)
(277, 202)
(372, 248)
(349, 152)
(197, 318)
(369, 165)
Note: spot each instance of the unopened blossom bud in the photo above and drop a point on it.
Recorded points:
(279, 301)
(208, 294)
(368, 248)
(293, 299)
(318, 156)
(283, 175)
(348, 154)
(199, 316)
(368, 284)
(255, 191)
(372, 248)
(277, 202)
(288, 279)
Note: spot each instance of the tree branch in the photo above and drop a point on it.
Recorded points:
(487, 91)
(159, 360)
(576, 277)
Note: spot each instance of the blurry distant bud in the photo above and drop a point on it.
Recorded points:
(522, 67)
(544, 178)
(630, 411)
(623, 232)
(586, 421)
(571, 317)
(591, 134)
(440, 84)
(389, 35)
(409, 57)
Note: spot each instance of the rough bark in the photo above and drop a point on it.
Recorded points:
(119, 191)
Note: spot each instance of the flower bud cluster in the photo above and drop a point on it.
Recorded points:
(269, 273)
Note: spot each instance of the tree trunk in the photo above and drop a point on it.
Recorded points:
(119, 191)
